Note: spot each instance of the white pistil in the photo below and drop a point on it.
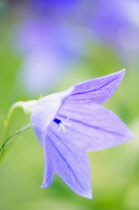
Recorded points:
(63, 124)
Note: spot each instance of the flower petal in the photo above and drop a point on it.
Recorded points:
(96, 90)
(46, 108)
(92, 127)
(49, 171)
(70, 163)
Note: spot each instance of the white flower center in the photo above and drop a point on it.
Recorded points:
(62, 124)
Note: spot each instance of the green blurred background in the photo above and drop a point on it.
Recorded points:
(114, 172)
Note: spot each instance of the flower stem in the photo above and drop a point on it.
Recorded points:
(27, 108)
(7, 124)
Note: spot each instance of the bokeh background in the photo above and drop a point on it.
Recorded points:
(48, 46)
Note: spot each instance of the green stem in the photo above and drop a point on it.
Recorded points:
(10, 137)
(8, 121)
(27, 107)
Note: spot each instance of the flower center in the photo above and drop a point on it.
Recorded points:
(62, 124)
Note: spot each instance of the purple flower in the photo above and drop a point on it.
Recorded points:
(52, 38)
(116, 23)
(72, 122)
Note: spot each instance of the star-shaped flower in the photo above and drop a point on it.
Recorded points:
(72, 122)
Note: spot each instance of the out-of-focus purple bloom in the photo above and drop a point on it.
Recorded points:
(52, 38)
(54, 6)
(55, 34)
(72, 122)
(117, 23)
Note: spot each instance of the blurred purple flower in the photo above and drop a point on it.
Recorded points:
(117, 23)
(52, 38)
(72, 122)
(53, 35)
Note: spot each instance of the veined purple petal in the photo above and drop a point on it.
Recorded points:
(49, 169)
(70, 163)
(91, 127)
(96, 90)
